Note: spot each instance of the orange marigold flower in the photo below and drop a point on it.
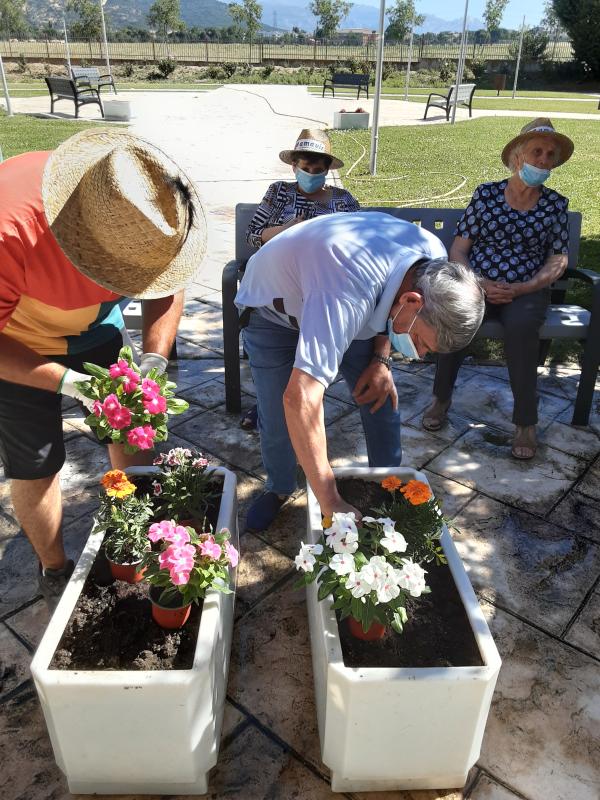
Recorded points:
(416, 492)
(392, 483)
(117, 484)
(327, 522)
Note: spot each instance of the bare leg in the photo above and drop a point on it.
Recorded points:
(38, 509)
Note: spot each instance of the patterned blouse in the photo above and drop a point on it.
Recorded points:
(511, 245)
(284, 202)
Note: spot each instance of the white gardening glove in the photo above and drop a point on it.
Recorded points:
(68, 388)
(153, 361)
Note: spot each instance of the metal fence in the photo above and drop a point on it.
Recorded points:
(262, 52)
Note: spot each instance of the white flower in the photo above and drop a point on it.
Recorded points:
(342, 564)
(393, 541)
(360, 583)
(369, 519)
(379, 567)
(305, 560)
(387, 588)
(342, 541)
(343, 522)
(388, 524)
(411, 577)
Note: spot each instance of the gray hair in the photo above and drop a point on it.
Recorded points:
(453, 301)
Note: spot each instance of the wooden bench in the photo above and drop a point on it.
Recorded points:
(562, 321)
(91, 77)
(66, 89)
(352, 80)
(446, 101)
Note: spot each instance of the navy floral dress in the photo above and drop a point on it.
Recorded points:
(510, 246)
(284, 202)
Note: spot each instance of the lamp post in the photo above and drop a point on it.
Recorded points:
(518, 60)
(9, 110)
(412, 32)
(461, 61)
(102, 3)
(378, 73)
(68, 53)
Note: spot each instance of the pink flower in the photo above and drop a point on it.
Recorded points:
(97, 408)
(179, 558)
(159, 460)
(131, 381)
(120, 418)
(142, 437)
(156, 486)
(210, 548)
(200, 463)
(178, 536)
(160, 530)
(118, 369)
(110, 404)
(179, 577)
(150, 388)
(232, 554)
(155, 405)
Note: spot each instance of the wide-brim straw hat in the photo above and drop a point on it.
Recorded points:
(124, 213)
(540, 127)
(311, 141)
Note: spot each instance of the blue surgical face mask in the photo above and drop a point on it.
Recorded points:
(533, 176)
(310, 183)
(402, 342)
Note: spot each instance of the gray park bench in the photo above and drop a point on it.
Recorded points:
(446, 101)
(358, 81)
(563, 321)
(91, 77)
(66, 89)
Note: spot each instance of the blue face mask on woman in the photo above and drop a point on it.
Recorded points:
(402, 342)
(310, 183)
(533, 176)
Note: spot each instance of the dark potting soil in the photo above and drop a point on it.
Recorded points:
(111, 627)
(437, 633)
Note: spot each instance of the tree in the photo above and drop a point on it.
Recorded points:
(165, 16)
(329, 13)
(550, 21)
(248, 14)
(403, 16)
(535, 42)
(12, 18)
(88, 24)
(580, 20)
(494, 10)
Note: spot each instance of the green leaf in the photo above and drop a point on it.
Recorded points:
(324, 591)
(95, 370)
(177, 406)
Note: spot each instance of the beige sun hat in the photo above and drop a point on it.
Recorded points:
(540, 127)
(311, 140)
(124, 213)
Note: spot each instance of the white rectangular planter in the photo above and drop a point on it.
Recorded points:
(350, 119)
(398, 728)
(146, 732)
(117, 110)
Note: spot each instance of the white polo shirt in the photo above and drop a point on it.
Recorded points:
(334, 278)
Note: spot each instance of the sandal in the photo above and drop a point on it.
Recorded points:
(249, 422)
(436, 415)
(524, 445)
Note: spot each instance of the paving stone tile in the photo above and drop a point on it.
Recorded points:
(590, 483)
(260, 568)
(202, 324)
(271, 669)
(289, 529)
(414, 392)
(232, 717)
(30, 623)
(211, 394)
(414, 367)
(246, 382)
(481, 459)
(453, 496)
(578, 514)
(255, 767)
(18, 571)
(585, 633)
(543, 732)
(186, 372)
(525, 564)
(581, 442)
(451, 430)
(594, 419)
(556, 379)
(488, 789)
(412, 794)
(14, 662)
(489, 400)
(191, 349)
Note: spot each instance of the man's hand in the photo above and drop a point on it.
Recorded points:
(153, 361)
(342, 507)
(375, 385)
(68, 388)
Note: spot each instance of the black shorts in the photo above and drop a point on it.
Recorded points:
(31, 435)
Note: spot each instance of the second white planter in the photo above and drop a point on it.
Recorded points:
(343, 120)
(384, 729)
(146, 732)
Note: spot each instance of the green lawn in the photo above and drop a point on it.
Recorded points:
(424, 91)
(417, 164)
(38, 88)
(20, 133)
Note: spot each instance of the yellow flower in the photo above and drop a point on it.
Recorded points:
(117, 484)
(327, 522)
(416, 492)
(392, 483)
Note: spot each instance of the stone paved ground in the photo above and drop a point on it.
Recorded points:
(529, 535)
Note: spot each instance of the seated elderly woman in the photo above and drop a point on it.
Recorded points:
(514, 234)
(287, 203)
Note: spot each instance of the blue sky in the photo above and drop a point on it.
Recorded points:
(513, 16)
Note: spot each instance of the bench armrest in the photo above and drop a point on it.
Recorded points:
(437, 94)
(587, 275)
(101, 77)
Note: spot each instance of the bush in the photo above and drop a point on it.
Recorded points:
(166, 67)
(446, 72)
(478, 67)
(128, 69)
(229, 69)
(22, 63)
(267, 71)
(215, 73)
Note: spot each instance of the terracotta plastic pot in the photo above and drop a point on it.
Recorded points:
(130, 573)
(376, 631)
(170, 616)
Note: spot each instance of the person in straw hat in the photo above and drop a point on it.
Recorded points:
(286, 203)
(104, 216)
(514, 234)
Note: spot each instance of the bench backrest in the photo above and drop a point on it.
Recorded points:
(464, 92)
(91, 73)
(350, 79)
(61, 86)
(440, 221)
